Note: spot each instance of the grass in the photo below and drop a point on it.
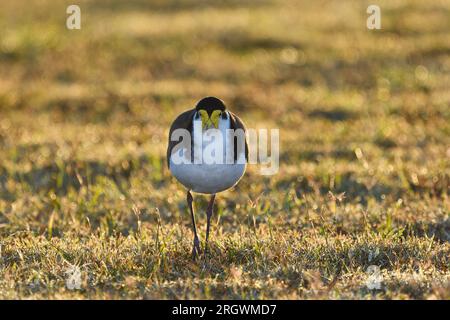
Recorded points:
(84, 118)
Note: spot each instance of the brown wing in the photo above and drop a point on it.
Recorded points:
(236, 123)
(183, 121)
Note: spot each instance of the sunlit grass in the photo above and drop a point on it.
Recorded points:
(84, 117)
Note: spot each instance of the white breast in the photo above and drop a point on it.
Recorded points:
(209, 177)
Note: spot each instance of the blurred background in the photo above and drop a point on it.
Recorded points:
(84, 118)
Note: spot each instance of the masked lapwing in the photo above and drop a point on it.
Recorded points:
(212, 160)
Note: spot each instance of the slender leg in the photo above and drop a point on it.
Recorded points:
(196, 248)
(209, 213)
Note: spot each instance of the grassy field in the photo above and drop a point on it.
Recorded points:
(84, 118)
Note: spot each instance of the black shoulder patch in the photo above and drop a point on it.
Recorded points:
(183, 121)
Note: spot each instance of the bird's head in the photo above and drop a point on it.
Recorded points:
(210, 109)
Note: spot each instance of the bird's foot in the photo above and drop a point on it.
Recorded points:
(196, 251)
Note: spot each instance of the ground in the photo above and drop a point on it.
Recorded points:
(359, 207)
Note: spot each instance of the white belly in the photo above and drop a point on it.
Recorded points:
(209, 177)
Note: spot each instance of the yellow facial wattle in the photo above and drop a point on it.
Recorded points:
(208, 121)
(215, 116)
(205, 118)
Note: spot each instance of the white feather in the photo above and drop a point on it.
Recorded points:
(209, 177)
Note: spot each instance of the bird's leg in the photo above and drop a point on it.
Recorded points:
(196, 248)
(209, 213)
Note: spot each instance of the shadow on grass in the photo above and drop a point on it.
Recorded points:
(439, 230)
(334, 115)
(339, 153)
(244, 42)
(61, 177)
(174, 5)
(347, 182)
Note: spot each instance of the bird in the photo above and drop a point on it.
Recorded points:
(207, 177)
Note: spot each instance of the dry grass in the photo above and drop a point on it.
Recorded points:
(83, 122)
